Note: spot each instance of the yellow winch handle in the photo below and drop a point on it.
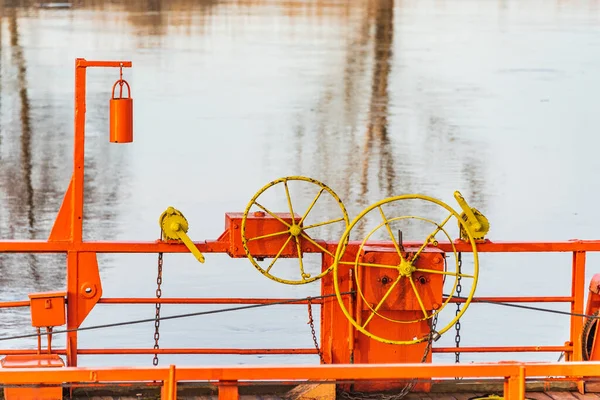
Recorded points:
(175, 226)
(468, 212)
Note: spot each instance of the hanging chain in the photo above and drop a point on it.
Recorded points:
(312, 330)
(158, 295)
(457, 325)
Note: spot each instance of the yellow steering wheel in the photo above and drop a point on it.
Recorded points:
(406, 268)
(294, 227)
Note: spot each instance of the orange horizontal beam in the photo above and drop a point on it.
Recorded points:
(37, 246)
(569, 369)
(85, 63)
(262, 372)
(10, 304)
(523, 299)
(346, 372)
(215, 300)
(197, 351)
(184, 300)
(501, 349)
(473, 349)
(301, 372)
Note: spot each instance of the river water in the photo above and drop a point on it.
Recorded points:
(497, 99)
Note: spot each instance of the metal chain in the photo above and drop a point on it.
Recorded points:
(157, 317)
(457, 325)
(312, 330)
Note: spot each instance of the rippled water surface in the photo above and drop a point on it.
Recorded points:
(497, 99)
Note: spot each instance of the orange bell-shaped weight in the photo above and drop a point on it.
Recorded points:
(121, 115)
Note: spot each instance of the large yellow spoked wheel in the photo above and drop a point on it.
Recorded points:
(294, 230)
(401, 276)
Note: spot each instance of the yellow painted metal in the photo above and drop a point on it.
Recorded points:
(296, 230)
(476, 221)
(406, 267)
(174, 227)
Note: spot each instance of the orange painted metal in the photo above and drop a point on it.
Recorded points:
(33, 361)
(190, 300)
(61, 230)
(121, 114)
(196, 351)
(513, 373)
(222, 245)
(47, 309)
(593, 303)
(400, 305)
(228, 390)
(14, 304)
(502, 349)
(577, 306)
(336, 348)
(258, 224)
(520, 299)
(593, 307)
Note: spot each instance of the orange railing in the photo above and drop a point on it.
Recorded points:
(227, 379)
(572, 349)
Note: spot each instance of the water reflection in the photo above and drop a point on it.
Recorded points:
(376, 137)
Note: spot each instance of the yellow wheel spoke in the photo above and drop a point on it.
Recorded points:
(433, 271)
(418, 296)
(311, 206)
(382, 300)
(300, 257)
(323, 249)
(431, 236)
(273, 215)
(369, 265)
(268, 235)
(278, 254)
(333, 221)
(289, 199)
(387, 226)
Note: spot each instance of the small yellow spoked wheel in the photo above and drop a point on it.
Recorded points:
(403, 283)
(292, 231)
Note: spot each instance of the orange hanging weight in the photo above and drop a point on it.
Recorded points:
(121, 115)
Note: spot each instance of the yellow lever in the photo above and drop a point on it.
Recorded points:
(175, 227)
(468, 212)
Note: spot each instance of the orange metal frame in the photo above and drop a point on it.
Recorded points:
(84, 291)
(227, 379)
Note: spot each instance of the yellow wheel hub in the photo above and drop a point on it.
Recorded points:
(295, 230)
(406, 268)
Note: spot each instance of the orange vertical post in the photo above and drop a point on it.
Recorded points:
(77, 201)
(228, 390)
(577, 306)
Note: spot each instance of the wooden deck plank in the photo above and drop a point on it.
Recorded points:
(442, 396)
(537, 396)
(561, 395)
(587, 396)
(465, 395)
